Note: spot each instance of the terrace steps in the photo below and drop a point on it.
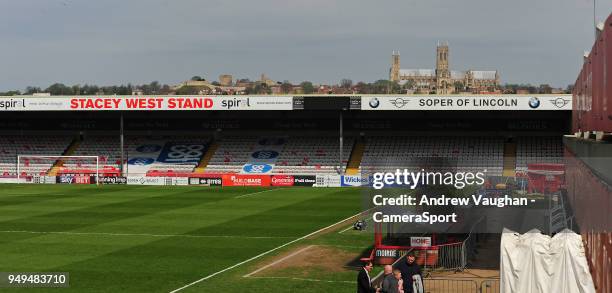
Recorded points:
(509, 159)
(354, 162)
(69, 151)
(210, 152)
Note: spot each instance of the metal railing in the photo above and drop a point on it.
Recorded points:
(490, 286)
(436, 285)
(452, 256)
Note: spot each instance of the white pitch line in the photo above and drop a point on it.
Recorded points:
(144, 235)
(305, 279)
(349, 227)
(277, 261)
(253, 193)
(262, 254)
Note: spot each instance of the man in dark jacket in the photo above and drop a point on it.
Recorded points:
(409, 268)
(364, 283)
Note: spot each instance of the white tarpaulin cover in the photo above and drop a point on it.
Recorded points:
(537, 263)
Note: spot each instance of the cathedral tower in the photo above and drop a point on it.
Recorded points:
(395, 67)
(443, 78)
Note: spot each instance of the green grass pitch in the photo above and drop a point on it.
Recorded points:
(160, 238)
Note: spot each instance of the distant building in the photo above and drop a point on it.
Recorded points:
(442, 80)
(265, 80)
(225, 79)
(230, 90)
(203, 87)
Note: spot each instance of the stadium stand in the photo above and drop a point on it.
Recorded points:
(232, 153)
(467, 153)
(313, 155)
(538, 149)
(107, 148)
(12, 145)
(298, 155)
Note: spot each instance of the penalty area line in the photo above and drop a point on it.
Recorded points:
(264, 253)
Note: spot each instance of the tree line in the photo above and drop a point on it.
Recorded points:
(346, 86)
(59, 89)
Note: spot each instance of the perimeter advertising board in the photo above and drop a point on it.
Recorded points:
(467, 103)
(113, 180)
(75, 179)
(149, 103)
(197, 103)
(246, 180)
(205, 181)
(355, 180)
(282, 180)
(137, 180)
(305, 180)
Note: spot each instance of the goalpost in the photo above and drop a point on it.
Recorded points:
(36, 165)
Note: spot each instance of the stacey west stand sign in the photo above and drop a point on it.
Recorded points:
(136, 103)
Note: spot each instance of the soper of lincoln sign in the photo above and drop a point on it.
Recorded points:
(467, 103)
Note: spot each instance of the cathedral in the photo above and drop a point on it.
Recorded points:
(442, 80)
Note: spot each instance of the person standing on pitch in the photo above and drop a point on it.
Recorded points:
(389, 283)
(364, 283)
(411, 274)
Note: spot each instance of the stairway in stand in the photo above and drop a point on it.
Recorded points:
(354, 162)
(509, 159)
(206, 158)
(68, 152)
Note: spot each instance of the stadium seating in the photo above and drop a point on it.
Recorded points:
(441, 152)
(107, 148)
(313, 155)
(232, 153)
(538, 149)
(298, 155)
(13, 145)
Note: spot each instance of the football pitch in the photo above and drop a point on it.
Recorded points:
(197, 239)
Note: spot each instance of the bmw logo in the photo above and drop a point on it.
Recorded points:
(534, 102)
(374, 103)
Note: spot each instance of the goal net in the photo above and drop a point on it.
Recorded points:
(39, 169)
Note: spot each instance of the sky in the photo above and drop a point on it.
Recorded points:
(138, 41)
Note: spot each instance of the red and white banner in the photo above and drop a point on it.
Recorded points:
(148, 103)
(282, 180)
(245, 180)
